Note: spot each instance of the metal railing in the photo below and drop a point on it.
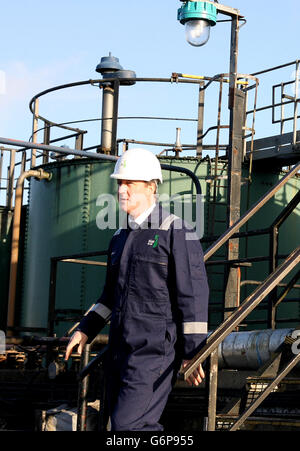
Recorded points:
(273, 258)
(77, 259)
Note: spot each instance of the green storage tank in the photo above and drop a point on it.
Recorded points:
(62, 220)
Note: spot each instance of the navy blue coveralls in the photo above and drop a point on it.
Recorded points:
(156, 297)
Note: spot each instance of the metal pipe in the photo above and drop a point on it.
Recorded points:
(10, 176)
(212, 389)
(62, 150)
(295, 121)
(184, 171)
(39, 174)
(107, 119)
(83, 392)
(250, 350)
(35, 125)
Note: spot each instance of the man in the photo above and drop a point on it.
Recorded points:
(155, 296)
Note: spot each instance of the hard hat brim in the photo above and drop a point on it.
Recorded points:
(133, 179)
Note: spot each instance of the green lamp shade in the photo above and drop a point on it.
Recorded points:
(197, 17)
(198, 10)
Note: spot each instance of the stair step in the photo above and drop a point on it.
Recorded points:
(224, 422)
(267, 380)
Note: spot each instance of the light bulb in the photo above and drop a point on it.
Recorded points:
(197, 32)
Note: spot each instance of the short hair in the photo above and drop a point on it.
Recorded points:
(156, 182)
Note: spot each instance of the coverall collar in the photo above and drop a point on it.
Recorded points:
(135, 223)
(150, 219)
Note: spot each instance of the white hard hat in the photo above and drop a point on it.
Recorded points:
(138, 164)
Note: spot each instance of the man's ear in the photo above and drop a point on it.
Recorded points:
(153, 187)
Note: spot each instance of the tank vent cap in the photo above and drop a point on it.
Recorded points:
(108, 64)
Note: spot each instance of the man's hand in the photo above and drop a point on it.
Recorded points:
(80, 339)
(196, 378)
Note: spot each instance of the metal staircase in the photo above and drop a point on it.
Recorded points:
(235, 415)
(273, 377)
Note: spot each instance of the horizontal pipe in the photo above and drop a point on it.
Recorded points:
(250, 350)
(239, 351)
(62, 150)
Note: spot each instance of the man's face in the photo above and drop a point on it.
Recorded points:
(134, 196)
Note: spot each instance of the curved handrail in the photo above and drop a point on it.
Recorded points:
(100, 82)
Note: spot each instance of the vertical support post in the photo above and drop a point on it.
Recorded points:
(107, 118)
(200, 120)
(233, 62)
(46, 141)
(10, 176)
(1, 165)
(83, 392)
(296, 103)
(34, 131)
(212, 390)
(103, 414)
(114, 148)
(235, 158)
(23, 161)
(79, 141)
(272, 266)
(282, 109)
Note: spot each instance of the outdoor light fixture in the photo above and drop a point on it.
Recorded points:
(198, 17)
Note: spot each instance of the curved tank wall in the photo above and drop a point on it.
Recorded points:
(64, 216)
(61, 221)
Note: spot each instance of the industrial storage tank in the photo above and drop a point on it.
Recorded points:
(63, 220)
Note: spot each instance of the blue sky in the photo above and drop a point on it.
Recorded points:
(50, 43)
